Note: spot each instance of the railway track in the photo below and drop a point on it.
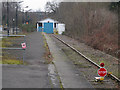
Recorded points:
(92, 62)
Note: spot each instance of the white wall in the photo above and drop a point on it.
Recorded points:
(37, 26)
(61, 28)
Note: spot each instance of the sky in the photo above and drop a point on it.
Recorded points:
(40, 4)
(35, 4)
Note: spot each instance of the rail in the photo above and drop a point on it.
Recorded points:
(111, 75)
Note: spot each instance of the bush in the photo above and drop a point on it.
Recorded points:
(28, 27)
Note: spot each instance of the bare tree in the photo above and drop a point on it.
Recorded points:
(51, 6)
(91, 23)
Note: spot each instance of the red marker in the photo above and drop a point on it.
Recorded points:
(23, 45)
(102, 64)
(102, 71)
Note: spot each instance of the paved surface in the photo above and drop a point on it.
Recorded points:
(34, 75)
(69, 76)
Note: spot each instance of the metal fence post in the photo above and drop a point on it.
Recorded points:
(24, 50)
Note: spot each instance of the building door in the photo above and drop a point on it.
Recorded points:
(40, 27)
(48, 27)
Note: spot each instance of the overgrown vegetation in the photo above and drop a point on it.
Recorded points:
(28, 27)
(47, 54)
(114, 6)
(93, 23)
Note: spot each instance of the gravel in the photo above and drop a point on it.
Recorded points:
(88, 70)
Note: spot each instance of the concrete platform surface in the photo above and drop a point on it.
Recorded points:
(67, 72)
(33, 75)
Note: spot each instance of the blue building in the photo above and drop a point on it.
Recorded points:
(47, 25)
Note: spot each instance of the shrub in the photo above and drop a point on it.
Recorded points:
(28, 27)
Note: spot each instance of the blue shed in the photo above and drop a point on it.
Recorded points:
(47, 25)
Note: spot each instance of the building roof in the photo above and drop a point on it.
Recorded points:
(48, 20)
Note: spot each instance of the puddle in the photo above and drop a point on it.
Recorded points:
(53, 76)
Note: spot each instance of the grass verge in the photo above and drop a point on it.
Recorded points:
(17, 62)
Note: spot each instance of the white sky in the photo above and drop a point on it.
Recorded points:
(35, 4)
(40, 4)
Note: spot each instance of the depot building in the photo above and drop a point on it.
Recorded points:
(50, 26)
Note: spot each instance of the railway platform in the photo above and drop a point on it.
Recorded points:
(70, 78)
